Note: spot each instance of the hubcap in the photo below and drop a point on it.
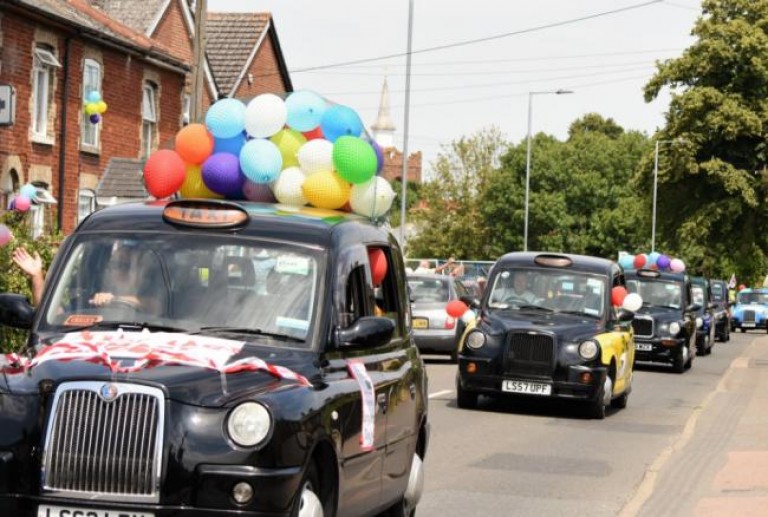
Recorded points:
(310, 505)
(607, 391)
(415, 487)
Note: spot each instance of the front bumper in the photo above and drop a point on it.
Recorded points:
(658, 350)
(274, 491)
(738, 324)
(566, 383)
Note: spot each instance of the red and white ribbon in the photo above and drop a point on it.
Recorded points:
(368, 399)
(147, 350)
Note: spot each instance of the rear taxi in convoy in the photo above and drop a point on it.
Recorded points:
(751, 310)
(212, 358)
(547, 328)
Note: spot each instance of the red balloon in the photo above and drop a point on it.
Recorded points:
(456, 308)
(742, 287)
(378, 265)
(164, 173)
(618, 294)
(639, 261)
(314, 133)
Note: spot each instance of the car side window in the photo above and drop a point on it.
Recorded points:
(355, 301)
(384, 279)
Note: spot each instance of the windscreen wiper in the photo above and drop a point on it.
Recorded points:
(245, 330)
(535, 308)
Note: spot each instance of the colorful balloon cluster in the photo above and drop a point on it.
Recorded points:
(94, 106)
(654, 260)
(299, 150)
(620, 297)
(23, 201)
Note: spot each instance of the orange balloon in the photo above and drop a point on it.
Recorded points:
(194, 144)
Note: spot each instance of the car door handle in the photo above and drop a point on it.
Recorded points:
(383, 401)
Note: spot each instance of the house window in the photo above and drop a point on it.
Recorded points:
(149, 118)
(186, 106)
(8, 185)
(91, 83)
(44, 65)
(86, 203)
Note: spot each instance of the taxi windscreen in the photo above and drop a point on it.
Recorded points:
(188, 283)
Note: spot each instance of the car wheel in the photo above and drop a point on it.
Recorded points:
(681, 360)
(454, 357)
(406, 507)
(743, 330)
(621, 401)
(727, 334)
(309, 503)
(465, 399)
(596, 408)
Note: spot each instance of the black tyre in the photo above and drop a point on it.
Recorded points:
(465, 399)
(621, 401)
(680, 361)
(309, 501)
(743, 330)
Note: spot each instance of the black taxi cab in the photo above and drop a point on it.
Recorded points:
(547, 328)
(205, 358)
(666, 326)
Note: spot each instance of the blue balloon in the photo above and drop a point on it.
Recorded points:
(226, 118)
(339, 121)
(29, 191)
(652, 258)
(94, 96)
(627, 261)
(229, 145)
(261, 161)
(305, 110)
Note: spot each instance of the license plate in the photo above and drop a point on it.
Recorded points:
(530, 388)
(644, 347)
(71, 511)
(420, 323)
(748, 325)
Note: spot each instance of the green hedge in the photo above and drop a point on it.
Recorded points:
(13, 279)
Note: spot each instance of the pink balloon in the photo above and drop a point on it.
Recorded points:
(677, 265)
(22, 203)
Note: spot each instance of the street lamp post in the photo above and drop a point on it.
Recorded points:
(528, 156)
(404, 180)
(655, 186)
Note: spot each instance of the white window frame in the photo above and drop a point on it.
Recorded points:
(44, 63)
(186, 109)
(37, 220)
(85, 196)
(90, 134)
(148, 117)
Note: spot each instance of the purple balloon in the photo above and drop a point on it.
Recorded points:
(379, 155)
(221, 173)
(663, 262)
(95, 118)
(258, 192)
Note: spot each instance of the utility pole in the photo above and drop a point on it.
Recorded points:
(198, 67)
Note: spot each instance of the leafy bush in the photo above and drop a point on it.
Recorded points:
(14, 280)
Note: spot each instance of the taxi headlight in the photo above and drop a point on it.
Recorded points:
(588, 350)
(249, 424)
(475, 339)
(674, 328)
(699, 322)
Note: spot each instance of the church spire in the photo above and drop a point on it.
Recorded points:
(383, 128)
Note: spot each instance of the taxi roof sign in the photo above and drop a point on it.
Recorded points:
(206, 213)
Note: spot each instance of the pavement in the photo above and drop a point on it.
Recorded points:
(718, 466)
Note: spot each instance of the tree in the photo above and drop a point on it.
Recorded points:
(448, 216)
(712, 187)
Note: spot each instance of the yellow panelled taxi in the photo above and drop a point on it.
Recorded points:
(547, 327)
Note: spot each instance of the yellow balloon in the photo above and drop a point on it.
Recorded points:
(289, 142)
(101, 107)
(91, 109)
(326, 190)
(193, 185)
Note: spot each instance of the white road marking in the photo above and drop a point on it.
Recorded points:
(440, 394)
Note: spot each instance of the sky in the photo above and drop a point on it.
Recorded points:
(473, 64)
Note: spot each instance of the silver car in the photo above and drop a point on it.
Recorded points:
(433, 328)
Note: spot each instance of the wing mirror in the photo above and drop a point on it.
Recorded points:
(368, 331)
(624, 315)
(16, 311)
(693, 307)
(471, 302)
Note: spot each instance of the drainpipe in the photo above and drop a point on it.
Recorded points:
(63, 131)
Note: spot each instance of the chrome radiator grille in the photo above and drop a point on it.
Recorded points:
(104, 441)
(749, 316)
(642, 326)
(530, 353)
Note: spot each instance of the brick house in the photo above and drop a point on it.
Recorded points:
(138, 55)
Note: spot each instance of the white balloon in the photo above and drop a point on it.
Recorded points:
(372, 198)
(265, 115)
(468, 317)
(633, 302)
(316, 156)
(287, 187)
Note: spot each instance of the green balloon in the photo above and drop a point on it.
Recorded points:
(354, 159)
